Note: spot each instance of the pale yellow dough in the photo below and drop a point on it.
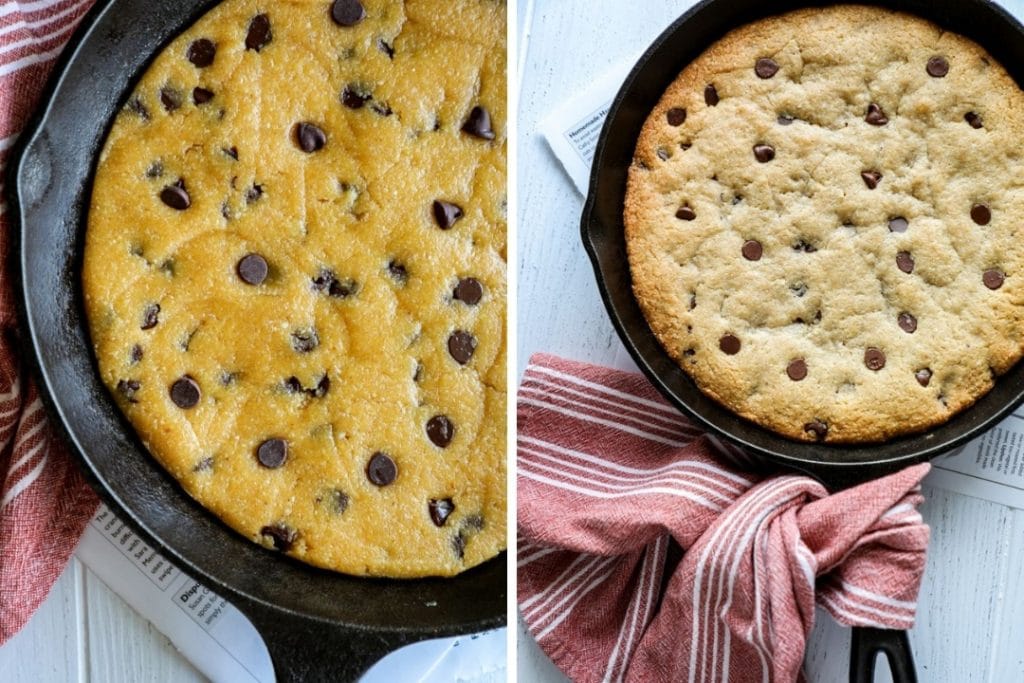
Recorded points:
(361, 208)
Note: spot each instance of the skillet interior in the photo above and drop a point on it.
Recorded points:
(603, 236)
(317, 624)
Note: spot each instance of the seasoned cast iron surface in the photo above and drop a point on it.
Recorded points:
(351, 620)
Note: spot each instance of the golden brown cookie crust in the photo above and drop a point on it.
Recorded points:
(359, 281)
(830, 284)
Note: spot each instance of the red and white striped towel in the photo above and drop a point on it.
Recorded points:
(44, 503)
(615, 485)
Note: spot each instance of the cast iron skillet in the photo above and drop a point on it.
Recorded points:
(602, 231)
(317, 624)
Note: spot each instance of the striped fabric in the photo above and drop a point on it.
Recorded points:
(44, 503)
(649, 552)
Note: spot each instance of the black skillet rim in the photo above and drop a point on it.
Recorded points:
(867, 462)
(26, 331)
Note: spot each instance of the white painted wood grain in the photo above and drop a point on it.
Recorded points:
(972, 600)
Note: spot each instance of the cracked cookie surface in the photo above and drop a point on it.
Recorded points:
(294, 275)
(822, 220)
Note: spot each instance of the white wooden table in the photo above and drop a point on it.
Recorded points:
(971, 613)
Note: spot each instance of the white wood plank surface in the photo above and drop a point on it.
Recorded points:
(972, 602)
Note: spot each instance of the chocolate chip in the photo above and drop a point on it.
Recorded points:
(347, 12)
(764, 153)
(259, 34)
(874, 359)
(752, 250)
(785, 119)
(201, 53)
(446, 214)
(185, 392)
(469, 291)
(459, 545)
(729, 344)
(711, 95)
(253, 194)
(905, 262)
(135, 106)
(231, 152)
(461, 346)
(675, 116)
(685, 213)
(136, 354)
(170, 98)
(385, 48)
(381, 470)
(981, 214)
(805, 246)
(797, 369)
(355, 97)
(693, 301)
(818, 429)
(875, 115)
(201, 96)
(923, 376)
(937, 67)
(398, 272)
(305, 341)
(176, 196)
(907, 323)
(440, 510)
(871, 178)
(342, 289)
(323, 281)
(127, 388)
(337, 500)
(272, 453)
(293, 385)
(993, 278)
(310, 138)
(321, 389)
(440, 430)
(252, 269)
(283, 537)
(766, 68)
(479, 124)
(150, 316)
(973, 119)
(898, 224)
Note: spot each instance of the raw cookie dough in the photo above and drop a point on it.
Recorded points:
(823, 219)
(295, 276)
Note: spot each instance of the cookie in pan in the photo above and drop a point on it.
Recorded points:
(822, 221)
(294, 275)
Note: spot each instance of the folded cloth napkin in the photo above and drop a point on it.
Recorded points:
(614, 486)
(44, 503)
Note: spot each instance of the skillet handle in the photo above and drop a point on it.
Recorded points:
(313, 651)
(865, 646)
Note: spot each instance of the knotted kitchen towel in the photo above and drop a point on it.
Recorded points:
(44, 503)
(612, 481)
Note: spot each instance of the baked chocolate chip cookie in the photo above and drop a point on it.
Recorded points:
(823, 218)
(294, 275)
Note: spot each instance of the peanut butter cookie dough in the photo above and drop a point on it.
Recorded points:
(823, 222)
(295, 276)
